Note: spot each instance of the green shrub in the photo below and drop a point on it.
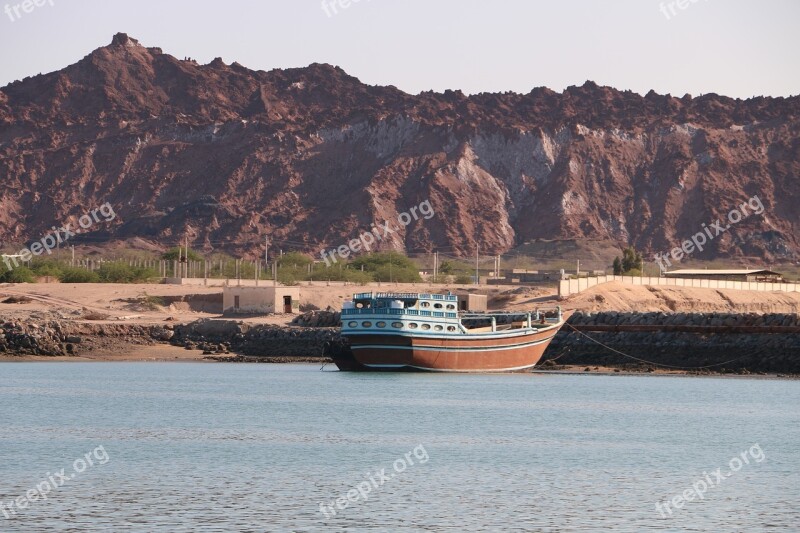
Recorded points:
(397, 274)
(356, 276)
(446, 267)
(20, 274)
(44, 267)
(287, 277)
(388, 266)
(153, 303)
(631, 259)
(463, 279)
(294, 260)
(175, 254)
(78, 275)
(120, 272)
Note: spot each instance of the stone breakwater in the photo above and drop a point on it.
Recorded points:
(222, 336)
(685, 319)
(721, 342)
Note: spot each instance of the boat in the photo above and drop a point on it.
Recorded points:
(428, 332)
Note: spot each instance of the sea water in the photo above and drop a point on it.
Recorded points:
(241, 447)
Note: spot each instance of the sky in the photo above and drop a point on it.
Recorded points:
(733, 47)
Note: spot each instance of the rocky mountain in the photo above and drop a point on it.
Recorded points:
(312, 157)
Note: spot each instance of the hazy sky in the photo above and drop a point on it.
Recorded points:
(733, 47)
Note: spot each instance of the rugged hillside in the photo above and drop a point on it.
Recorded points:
(312, 156)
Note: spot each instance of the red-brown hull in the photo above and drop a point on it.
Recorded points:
(500, 352)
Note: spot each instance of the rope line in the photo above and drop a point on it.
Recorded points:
(644, 360)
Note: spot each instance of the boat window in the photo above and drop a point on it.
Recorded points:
(451, 306)
(353, 324)
(397, 325)
(425, 304)
(380, 324)
(437, 306)
(438, 328)
(413, 325)
(426, 326)
(367, 324)
(451, 328)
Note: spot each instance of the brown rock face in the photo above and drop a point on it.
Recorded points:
(313, 157)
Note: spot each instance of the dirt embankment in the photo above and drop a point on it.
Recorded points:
(615, 296)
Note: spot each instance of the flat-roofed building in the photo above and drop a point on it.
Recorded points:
(253, 300)
(750, 275)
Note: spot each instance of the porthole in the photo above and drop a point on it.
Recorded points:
(451, 306)
(367, 324)
(426, 326)
(437, 306)
(425, 304)
(397, 325)
(353, 324)
(451, 328)
(413, 325)
(380, 324)
(438, 328)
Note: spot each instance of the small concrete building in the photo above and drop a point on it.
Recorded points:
(472, 302)
(247, 300)
(751, 275)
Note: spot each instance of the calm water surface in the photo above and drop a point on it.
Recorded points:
(216, 447)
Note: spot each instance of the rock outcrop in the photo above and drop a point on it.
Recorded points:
(312, 156)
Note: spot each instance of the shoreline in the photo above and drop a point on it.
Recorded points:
(176, 354)
(164, 323)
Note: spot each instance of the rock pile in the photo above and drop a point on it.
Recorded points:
(29, 338)
(52, 337)
(329, 318)
(222, 336)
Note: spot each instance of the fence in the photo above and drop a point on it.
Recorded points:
(574, 286)
(236, 269)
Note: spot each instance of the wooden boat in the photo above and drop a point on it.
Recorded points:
(426, 332)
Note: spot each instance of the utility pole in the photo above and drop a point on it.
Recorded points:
(477, 272)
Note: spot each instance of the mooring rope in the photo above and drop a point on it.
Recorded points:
(325, 345)
(644, 360)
